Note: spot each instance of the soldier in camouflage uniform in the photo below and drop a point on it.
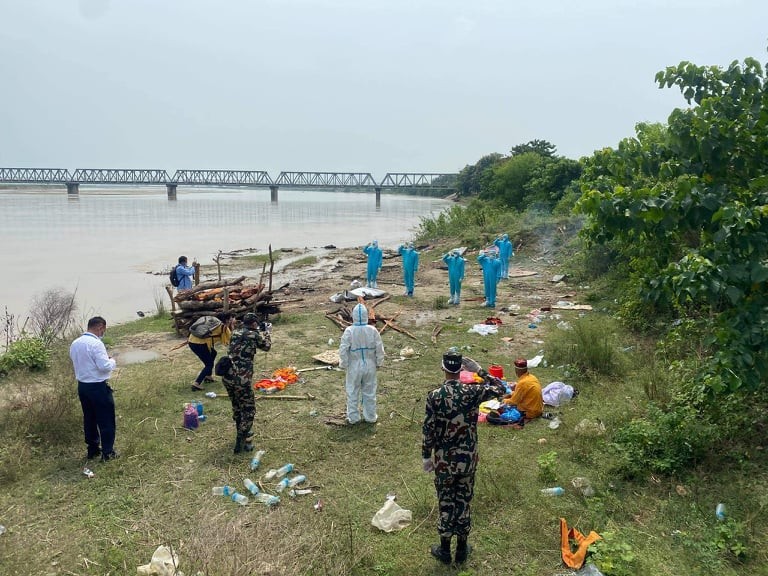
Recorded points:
(239, 381)
(449, 449)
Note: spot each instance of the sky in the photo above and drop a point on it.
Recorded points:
(344, 85)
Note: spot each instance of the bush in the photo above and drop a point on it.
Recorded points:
(30, 353)
(590, 348)
(51, 313)
(663, 442)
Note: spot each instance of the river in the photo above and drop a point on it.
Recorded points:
(106, 244)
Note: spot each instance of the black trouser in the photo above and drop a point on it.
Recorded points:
(207, 357)
(98, 416)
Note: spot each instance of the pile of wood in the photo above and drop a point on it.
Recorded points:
(227, 295)
(342, 317)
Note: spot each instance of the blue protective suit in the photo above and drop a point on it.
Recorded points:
(375, 260)
(506, 251)
(490, 265)
(361, 352)
(410, 265)
(455, 275)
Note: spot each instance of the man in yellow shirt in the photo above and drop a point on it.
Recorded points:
(526, 394)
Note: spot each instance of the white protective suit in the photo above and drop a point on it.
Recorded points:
(361, 352)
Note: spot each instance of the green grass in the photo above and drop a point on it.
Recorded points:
(159, 491)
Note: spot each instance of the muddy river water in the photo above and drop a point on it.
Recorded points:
(107, 245)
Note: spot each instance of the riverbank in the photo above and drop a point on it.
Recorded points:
(159, 491)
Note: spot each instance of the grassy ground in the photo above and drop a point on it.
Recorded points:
(159, 491)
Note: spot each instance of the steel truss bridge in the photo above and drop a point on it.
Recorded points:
(362, 181)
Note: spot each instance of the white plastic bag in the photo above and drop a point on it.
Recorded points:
(391, 517)
(163, 563)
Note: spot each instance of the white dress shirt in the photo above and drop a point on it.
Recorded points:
(90, 359)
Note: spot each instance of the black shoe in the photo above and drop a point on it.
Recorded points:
(111, 456)
(93, 454)
(441, 553)
(238, 445)
(462, 553)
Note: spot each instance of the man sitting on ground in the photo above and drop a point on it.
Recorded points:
(526, 393)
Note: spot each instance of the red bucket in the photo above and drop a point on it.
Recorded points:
(496, 371)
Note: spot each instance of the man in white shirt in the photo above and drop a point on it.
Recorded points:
(93, 367)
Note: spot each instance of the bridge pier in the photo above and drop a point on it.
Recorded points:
(378, 196)
(73, 188)
(171, 188)
(273, 193)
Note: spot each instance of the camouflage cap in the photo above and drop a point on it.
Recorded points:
(250, 318)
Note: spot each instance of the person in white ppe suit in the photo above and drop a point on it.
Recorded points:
(361, 352)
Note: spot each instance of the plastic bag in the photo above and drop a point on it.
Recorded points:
(163, 563)
(391, 517)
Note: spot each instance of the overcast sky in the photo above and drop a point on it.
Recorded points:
(344, 85)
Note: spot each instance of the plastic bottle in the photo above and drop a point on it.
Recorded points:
(720, 511)
(266, 499)
(239, 498)
(556, 491)
(256, 460)
(252, 488)
(199, 407)
(290, 482)
(2, 529)
(222, 490)
(279, 473)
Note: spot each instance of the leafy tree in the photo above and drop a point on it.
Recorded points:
(472, 178)
(690, 204)
(540, 147)
(510, 178)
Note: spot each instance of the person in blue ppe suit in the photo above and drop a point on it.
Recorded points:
(506, 251)
(490, 265)
(410, 265)
(361, 352)
(455, 264)
(375, 259)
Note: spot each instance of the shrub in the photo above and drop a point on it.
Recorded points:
(51, 313)
(613, 556)
(30, 353)
(662, 442)
(590, 348)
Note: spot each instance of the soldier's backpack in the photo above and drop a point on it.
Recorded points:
(204, 326)
(175, 279)
(223, 366)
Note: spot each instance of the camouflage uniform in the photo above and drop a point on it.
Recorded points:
(450, 439)
(239, 380)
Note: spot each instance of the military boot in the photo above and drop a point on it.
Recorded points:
(462, 549)
(238, 444)
(442, 551)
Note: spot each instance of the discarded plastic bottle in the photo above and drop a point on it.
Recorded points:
(199, 407)
(279, 473)
(720, 511)
(300, 492)
(252, 488)
(239, 498)
(2, 529)
(222, 490)
(556, 491)
(290, 482)
(266, 499)
(256, 460)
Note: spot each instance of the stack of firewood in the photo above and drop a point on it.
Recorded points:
(342, 317)
(210, 298)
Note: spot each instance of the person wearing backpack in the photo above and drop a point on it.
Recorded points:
(184, 274)
(203, 343)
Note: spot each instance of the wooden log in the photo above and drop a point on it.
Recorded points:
(436, 332)
(398, 329)
(308, 396)
(211, 305)
(388, 319)
(184, 294)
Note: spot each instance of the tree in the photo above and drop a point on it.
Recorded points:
(540, 147)
(692, 200)
(472, 179)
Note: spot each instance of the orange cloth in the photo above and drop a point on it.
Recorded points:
(527, 396)
(575, 559)
(280, 379)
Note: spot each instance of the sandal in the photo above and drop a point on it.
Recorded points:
(195, 387)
